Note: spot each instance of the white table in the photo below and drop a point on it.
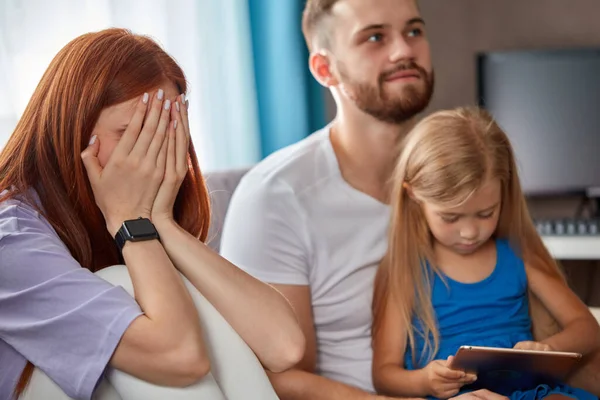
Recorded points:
(573, 247)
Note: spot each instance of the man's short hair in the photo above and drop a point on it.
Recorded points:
(315, 11)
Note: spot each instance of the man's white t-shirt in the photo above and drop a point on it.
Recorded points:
(294, 220)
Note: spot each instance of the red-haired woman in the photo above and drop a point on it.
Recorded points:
(100, 171)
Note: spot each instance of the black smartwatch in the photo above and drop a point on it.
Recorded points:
(136, 230)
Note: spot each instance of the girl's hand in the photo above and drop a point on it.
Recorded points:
(530, 345)
(444, 382)
(126, 187)
(176, 163)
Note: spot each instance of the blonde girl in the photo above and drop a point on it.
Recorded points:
(463, 256)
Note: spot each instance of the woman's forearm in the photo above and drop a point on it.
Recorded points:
(258, 313)
(159, 290)
(165, 345)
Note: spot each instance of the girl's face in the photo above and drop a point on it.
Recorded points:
(464, 228)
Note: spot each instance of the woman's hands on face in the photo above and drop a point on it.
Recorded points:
(177, 165)
(127, 186)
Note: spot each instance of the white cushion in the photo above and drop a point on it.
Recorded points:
(596, 312)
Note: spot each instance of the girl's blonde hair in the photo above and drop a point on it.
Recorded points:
(445, 158)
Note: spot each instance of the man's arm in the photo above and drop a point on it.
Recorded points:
(301, 383)
(267, 235)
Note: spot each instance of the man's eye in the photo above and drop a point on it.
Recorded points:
(377, 37)
(415, 32)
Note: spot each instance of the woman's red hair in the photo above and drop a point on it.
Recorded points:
(92, 72)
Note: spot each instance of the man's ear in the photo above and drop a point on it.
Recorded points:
(320, 67)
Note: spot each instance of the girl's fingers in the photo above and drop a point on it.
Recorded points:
(450, 374)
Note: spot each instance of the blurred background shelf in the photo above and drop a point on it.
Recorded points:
(573, 247)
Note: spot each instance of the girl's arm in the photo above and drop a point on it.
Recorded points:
(392, 379)
(257, 312)
(580, 331)
(389, 344)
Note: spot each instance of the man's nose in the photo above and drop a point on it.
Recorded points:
(401, 50)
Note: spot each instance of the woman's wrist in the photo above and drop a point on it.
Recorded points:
(164, 225)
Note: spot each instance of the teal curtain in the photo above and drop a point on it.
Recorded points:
(291, 104)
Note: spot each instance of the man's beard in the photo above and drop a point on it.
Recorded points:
(397, 107)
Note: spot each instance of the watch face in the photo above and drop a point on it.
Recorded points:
(140, 227)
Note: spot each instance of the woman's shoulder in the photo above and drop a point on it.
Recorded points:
(18, 215)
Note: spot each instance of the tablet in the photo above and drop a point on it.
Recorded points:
(514, 369)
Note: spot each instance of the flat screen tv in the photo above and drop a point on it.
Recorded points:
(548, 102)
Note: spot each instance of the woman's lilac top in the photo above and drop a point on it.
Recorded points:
(54, 313)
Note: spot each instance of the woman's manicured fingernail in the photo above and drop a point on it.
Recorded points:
(93, 140)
